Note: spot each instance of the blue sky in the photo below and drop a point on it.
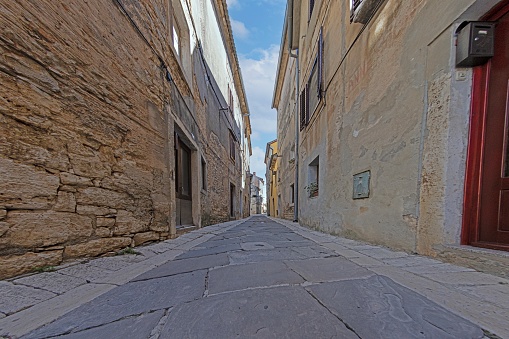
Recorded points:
(257, 26)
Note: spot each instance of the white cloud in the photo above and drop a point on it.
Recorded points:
(259, 75)
(232, 3)
(239, 29)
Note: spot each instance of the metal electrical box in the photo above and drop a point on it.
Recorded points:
(361, 185)
(475, 43)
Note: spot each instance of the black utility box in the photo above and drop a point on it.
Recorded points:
(475, 43)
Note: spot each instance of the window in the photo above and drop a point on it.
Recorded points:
(232, 146)
(232, 200)
(361, 11)
(203, 174)
(311, 7)
(313, 178)
(176, 42)
(230, 101)
(354, 5)
(312, 93)
(292, 194)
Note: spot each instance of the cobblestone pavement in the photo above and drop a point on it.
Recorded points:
(262, 278)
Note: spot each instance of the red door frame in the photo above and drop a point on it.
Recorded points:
(475, 154)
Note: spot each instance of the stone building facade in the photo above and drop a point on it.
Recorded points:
(390, 130)
(121, 122)
(257, 184)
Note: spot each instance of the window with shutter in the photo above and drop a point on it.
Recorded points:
(312, 94)
(320, 64)
(354, 5)
(303, 113)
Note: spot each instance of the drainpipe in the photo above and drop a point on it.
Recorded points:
(296, 183)
(297, 91)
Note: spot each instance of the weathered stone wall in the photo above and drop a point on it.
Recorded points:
(392, 106)
(82, 146)
(86, 131)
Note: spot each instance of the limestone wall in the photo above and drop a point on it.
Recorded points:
(87, 117)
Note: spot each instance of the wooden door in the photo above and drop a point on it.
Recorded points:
(489, 221)
(183, 185)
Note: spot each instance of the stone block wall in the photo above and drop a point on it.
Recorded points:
(87, 121)
(82, 134)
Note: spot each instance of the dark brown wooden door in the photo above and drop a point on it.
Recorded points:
(494, 195)
(183, 185)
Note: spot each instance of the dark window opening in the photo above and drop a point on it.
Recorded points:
(232, 200)
(292, 193)
(313, 178)
(232, 146)
(203, 174)
(311, 7)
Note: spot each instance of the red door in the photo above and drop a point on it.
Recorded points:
(489, 221)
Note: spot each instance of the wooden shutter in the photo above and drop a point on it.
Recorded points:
(320, 65)
(306, 103)
(355, 5)
(303, 113)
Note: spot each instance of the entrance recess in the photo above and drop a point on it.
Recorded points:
(183, 185)
(486, 215)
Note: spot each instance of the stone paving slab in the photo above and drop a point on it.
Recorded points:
(282, 312)
(328, 269)
(391, 311)
(185, 266)
(210, 251)
(18, 297)
(315, 252)
(411, 260)
(217, 243)
(131, 327)
(293, 244)
(53, 282)
(45, 312)
(383, 253)
(127, 300)
(496, 295)
(256, 246)
(244, 257)
(117, 262)
(365, 261)
(466, 278)
(86, 271)
(439, 268)
(490, 317)
(195, 242)
(238, 277)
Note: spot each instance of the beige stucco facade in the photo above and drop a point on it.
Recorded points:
(394, 104)
(95, 100)
(272, 179)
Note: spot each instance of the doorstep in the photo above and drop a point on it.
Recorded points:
(481, 259)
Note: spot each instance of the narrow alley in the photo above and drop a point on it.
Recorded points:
(261, 278)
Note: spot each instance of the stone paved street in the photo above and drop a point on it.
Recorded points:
(257, 278)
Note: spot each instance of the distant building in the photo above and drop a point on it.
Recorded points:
(122, 122)
(272, 179)
(385, 137)
(257, 185)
